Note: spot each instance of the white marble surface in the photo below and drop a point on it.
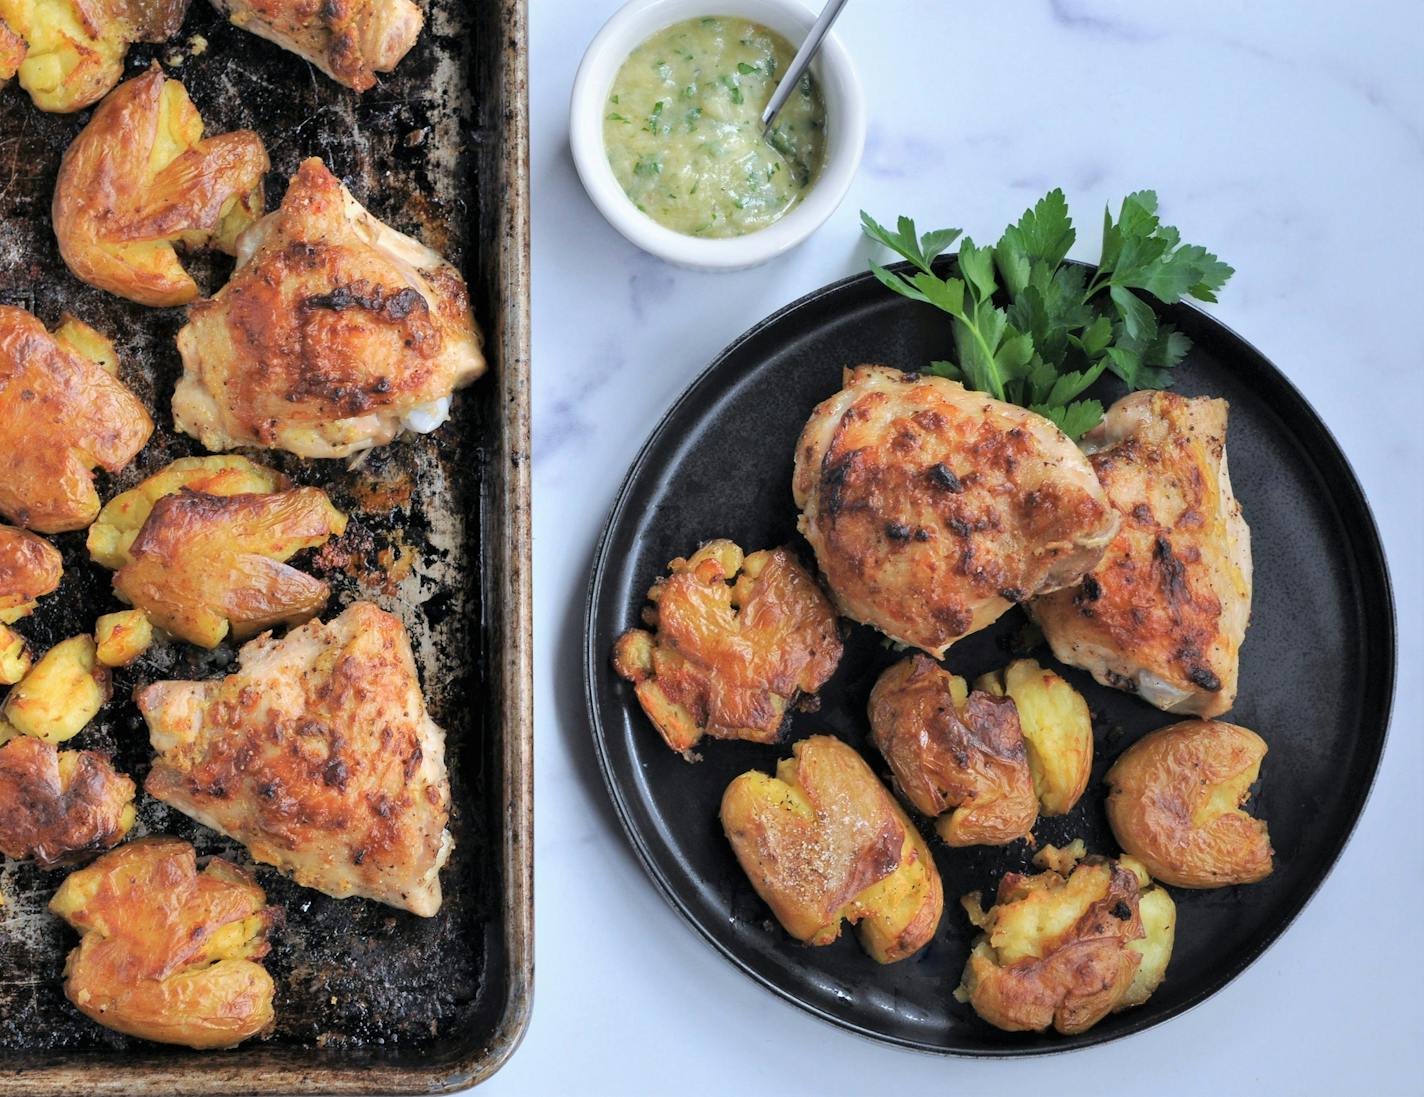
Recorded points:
(1288, 135)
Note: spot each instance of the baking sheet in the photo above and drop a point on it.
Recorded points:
(369, 999)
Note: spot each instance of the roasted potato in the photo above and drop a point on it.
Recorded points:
(15, 660)
(30, 567)
(56, 805)
(957, 756)
(12, 53)
(1174, 803)
(1159, 927)
(60, 694)
(736, 639)
(61, 414)
(140, 178)
(166, 952)
(202, 564)
(124, 515)
(122, 637)
(73, 50)
(1056, 948)
(823, 842)
(1057, 729)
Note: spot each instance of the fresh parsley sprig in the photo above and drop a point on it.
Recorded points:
(1029, 330)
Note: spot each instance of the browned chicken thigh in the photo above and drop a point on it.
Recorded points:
(349, 40)
(318, 755)
(933, 509)
(335, 334)
(1165, 612)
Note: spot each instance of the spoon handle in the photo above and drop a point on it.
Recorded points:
(801, 61)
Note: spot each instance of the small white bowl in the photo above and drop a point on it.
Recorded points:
(632, 25)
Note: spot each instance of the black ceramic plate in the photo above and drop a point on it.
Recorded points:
(1316, 681)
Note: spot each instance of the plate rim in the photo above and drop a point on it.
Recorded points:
(1369, 539)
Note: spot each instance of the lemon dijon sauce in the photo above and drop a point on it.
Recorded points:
(683, 128)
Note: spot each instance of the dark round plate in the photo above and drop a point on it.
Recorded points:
(1317, 669)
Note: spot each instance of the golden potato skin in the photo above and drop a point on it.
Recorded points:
(735, 640)
(141, 177)
(823, 842)
(1174, 799)
(61, 414)
(57, 805)
(1055, 950)
(168, 953)
(203, 564)
(1057, 729)
(966, 758)
(61, 693)
(71, 52)
(30, 568)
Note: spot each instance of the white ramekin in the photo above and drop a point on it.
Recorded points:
(630, 26)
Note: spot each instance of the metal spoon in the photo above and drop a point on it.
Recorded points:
(801, 62)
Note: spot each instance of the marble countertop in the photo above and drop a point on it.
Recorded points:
(1290, 137)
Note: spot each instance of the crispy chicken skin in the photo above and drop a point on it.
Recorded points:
(58, 805)
(1164, 613)
(61, 413)
(335, 333)
(933, 509)
(1056, 948)
(958, 757)
(349, 40)
(166, 952)
(1174, 803)
(735, 640)
(318, 755)
(141, 177)
(30, 567)
(69, 53)
(823, 842)
(204, 564)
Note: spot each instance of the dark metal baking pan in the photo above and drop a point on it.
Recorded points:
(1316, 681)
(369, 999)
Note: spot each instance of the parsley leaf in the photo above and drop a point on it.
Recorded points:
(1032, 331)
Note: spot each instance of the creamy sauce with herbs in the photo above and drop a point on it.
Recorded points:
(683, 128)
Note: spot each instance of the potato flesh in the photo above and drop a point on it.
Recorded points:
(1057, 730)
(61, 693)
(122, 637)
(113, 532)
(65, 68)
(14, 656)
(1159, 926)
(1046, 908)
(1227, 796)
(82, 339)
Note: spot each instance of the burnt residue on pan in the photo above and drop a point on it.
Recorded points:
(362, 981)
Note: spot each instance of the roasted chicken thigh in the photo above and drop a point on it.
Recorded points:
(349, 40)
(1164, 613)
(335, 333)
(933, 509)
(62, 412)
(318, 755)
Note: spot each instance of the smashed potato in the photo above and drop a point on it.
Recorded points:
(124, 515)
(61, 414)
(201, 564)
(1175, 799)
(166, 952)
(1159, 928)
(1056, 948)
(1057, 729)
(140, 178)
(957, 756)
(56, 805)
(60, 694)
(30, 568)
(122, 637)
(15, 660)
(823, 842)
(736, 640)
(72, 51)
